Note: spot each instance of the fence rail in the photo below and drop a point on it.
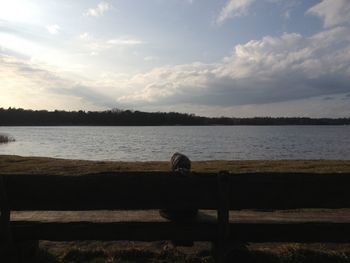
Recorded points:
(154, 190)
(157, 190)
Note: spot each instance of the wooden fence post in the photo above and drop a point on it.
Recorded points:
(223, 217)
(7, 251)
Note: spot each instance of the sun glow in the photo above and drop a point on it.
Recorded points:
(18, 11)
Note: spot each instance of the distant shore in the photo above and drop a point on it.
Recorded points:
(118, 117)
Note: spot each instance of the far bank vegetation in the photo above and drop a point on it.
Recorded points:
(118, 117)
(4, 138)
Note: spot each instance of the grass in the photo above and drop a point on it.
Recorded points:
(161, 252)
(135, 255)
(18, 164)
(4, 138)
(270, 253)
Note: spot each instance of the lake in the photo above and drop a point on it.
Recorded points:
(198, 142)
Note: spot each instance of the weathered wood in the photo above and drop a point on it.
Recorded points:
(223, 216)
(6, 241)
(139, 190)
(245, 226)
(157, 190)
(147, 190)
(239, 216)
(289, 191)
(4, 212)
(199, 231)
(223, 205)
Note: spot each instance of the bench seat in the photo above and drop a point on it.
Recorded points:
(308, 225)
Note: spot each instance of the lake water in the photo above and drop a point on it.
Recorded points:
(198, 142)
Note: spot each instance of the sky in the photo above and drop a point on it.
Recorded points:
(235, 58)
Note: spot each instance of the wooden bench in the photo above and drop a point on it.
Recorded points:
(252, 207)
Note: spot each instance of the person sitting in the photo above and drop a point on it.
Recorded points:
(181, 166)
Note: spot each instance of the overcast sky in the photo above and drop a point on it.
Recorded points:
(215, 58)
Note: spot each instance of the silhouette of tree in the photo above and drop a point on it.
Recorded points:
(118, 117)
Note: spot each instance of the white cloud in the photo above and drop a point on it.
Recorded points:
(258, 77)
(53, 29)
(85, 36)
(124, 41)
(99, 10)
(287, 14)
(333, 12)
(316, 107)
(94, 45)
(39, 85)
(150, 58)
(233, 8)
(270, 70)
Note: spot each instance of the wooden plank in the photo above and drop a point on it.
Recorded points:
(6, 241)
(223, 217)
(137, 231)
(223, 206)
(4, 214)
(240, 216)
(199, 231)
(289, 191)
(247, 226)
(153, 190)
(138, 190)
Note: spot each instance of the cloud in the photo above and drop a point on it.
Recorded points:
(95, 46)
(85, 36)
(233, 8)
(316, 107)
(99, 10)
(26, 70)
(332, 12)
(258, 76)
(236, 8)
(150, 58)
(53, 29)
(124, 41)
(41, 85)
(270, 70)
(87, 94)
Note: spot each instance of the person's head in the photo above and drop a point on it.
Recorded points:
(180, 162)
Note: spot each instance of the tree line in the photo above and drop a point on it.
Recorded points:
(117, 117)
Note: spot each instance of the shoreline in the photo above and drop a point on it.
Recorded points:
(18, 164)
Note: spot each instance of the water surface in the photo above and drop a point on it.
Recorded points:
(198, 142)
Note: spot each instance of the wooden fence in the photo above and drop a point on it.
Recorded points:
(158, 190)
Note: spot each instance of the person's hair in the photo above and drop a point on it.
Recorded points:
(180, 162)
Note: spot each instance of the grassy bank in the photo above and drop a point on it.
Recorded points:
(17, 164)
(157, 252)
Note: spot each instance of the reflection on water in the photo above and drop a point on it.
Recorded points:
(199, 143)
